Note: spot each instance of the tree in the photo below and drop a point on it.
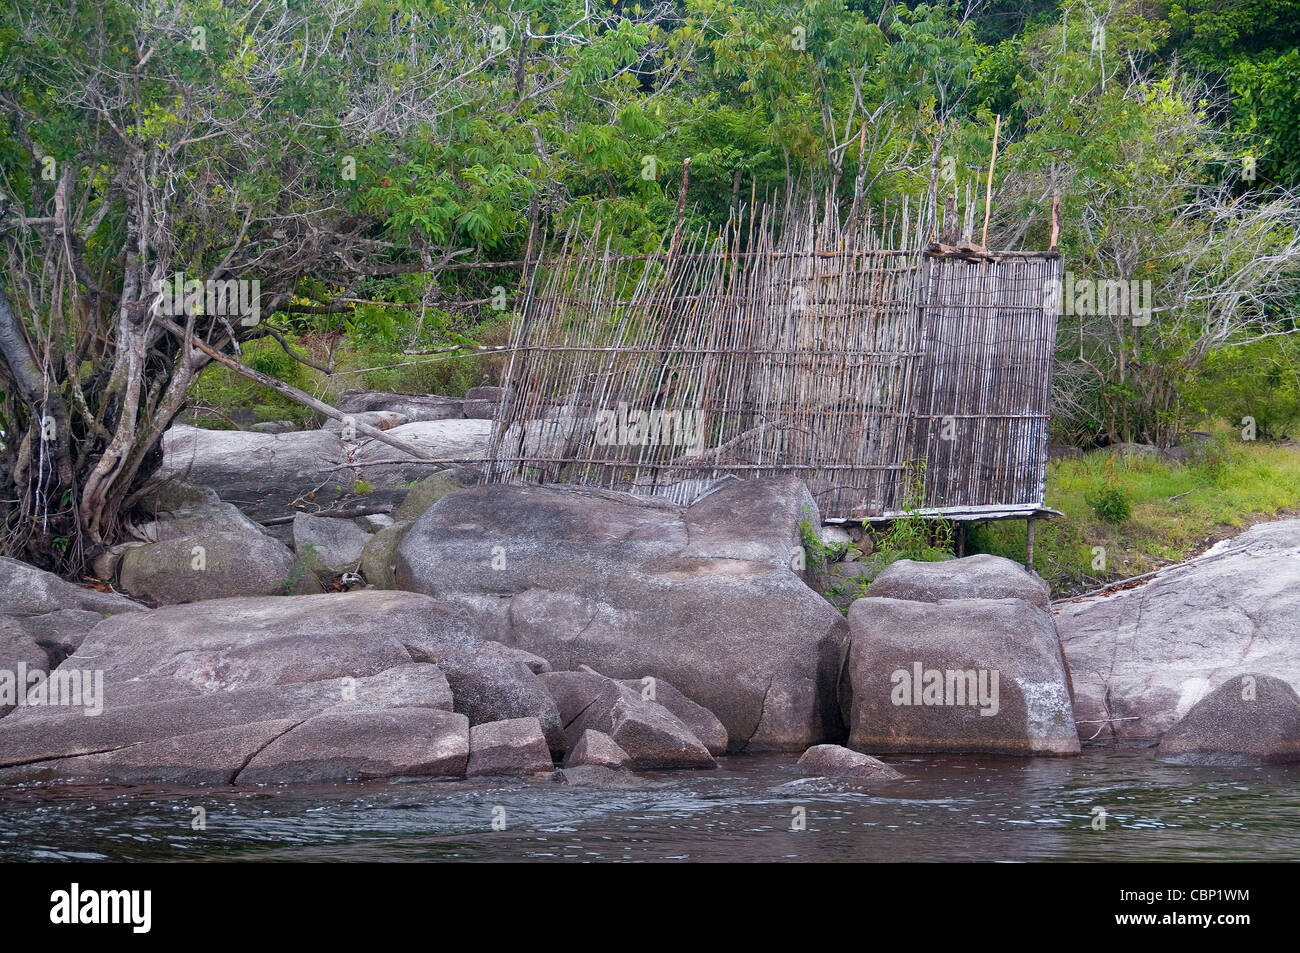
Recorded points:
(1148, 193)
(1250, 46)
(156, 152)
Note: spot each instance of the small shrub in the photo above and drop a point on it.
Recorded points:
(302, 566)
(1111, 505)
(816, 553)
(913, 535)
(1212, 458)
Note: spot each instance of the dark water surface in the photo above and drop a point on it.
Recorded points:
(949, 809)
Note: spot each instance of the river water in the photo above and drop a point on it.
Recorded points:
(750, 809)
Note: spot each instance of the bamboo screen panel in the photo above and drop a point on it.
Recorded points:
(984, 381)
(828, 356)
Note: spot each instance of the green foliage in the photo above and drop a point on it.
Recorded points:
(219, 393)
(913, 535)
(1260, 381)
(471, 188)
(301, 568)
(816, 552)
(1111, 505)
(1266, 112)
(1212, 457)
(1178, 510)
(756, 94)
(1253, 43)
(406, 374)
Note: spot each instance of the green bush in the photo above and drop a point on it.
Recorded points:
(1212, 458)
(383, 369)
(405, 374)
(270, 359)
(1260, 381)
(913, 536)
(1111, 505)
(219, 392)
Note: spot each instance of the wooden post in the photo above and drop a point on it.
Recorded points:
(1056, 219)
(681, 208)
(961, 539)
(988, 186)
(1029, 543)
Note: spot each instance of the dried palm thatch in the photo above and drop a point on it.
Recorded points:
(848, 355)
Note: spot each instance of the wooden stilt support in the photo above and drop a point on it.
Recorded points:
(961, 539)
(1029, 543)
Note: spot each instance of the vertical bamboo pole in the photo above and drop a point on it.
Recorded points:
(988, 185)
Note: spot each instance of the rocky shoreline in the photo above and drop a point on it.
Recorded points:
(457, 630)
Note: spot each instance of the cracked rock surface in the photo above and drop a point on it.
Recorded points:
(702, 596)
(344, 686)
(1142, 657)
(44, 619)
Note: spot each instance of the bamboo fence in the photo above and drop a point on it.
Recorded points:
(855, 356)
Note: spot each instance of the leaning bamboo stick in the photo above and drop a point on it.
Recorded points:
(988, 184)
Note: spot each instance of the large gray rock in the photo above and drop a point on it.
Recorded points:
(957, 675)
(391, 472)
(516, 746)
(379, 419)
(597, 749)
(703, 724)
(261, 473)
(491, 682)
(44, 619)
(275, 426)
(573, 693)
(702, 597)
(189, 692)
(328, 545)
(414, 407)
(141, 739)
(21, 653)
(439, 439)
(971, 577)
(1142, 657)
(198, 519)
(374, 522)
(27, 594)
(483, 402)
(197, 547)
(651, 735)
(379, 557)
(1249, 718)
(836, 761)
(359, 746)
(268, 475)
(173, 495)
(432, 489)
(213, 566)
(214, 756)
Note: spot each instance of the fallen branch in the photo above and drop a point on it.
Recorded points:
(424, 460)
(284, 344)
(475, 348)
(333, 514)
(293, 393)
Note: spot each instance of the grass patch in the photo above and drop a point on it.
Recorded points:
(390, 369)
(1177, 510)
(219, 393)
(221, 399)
